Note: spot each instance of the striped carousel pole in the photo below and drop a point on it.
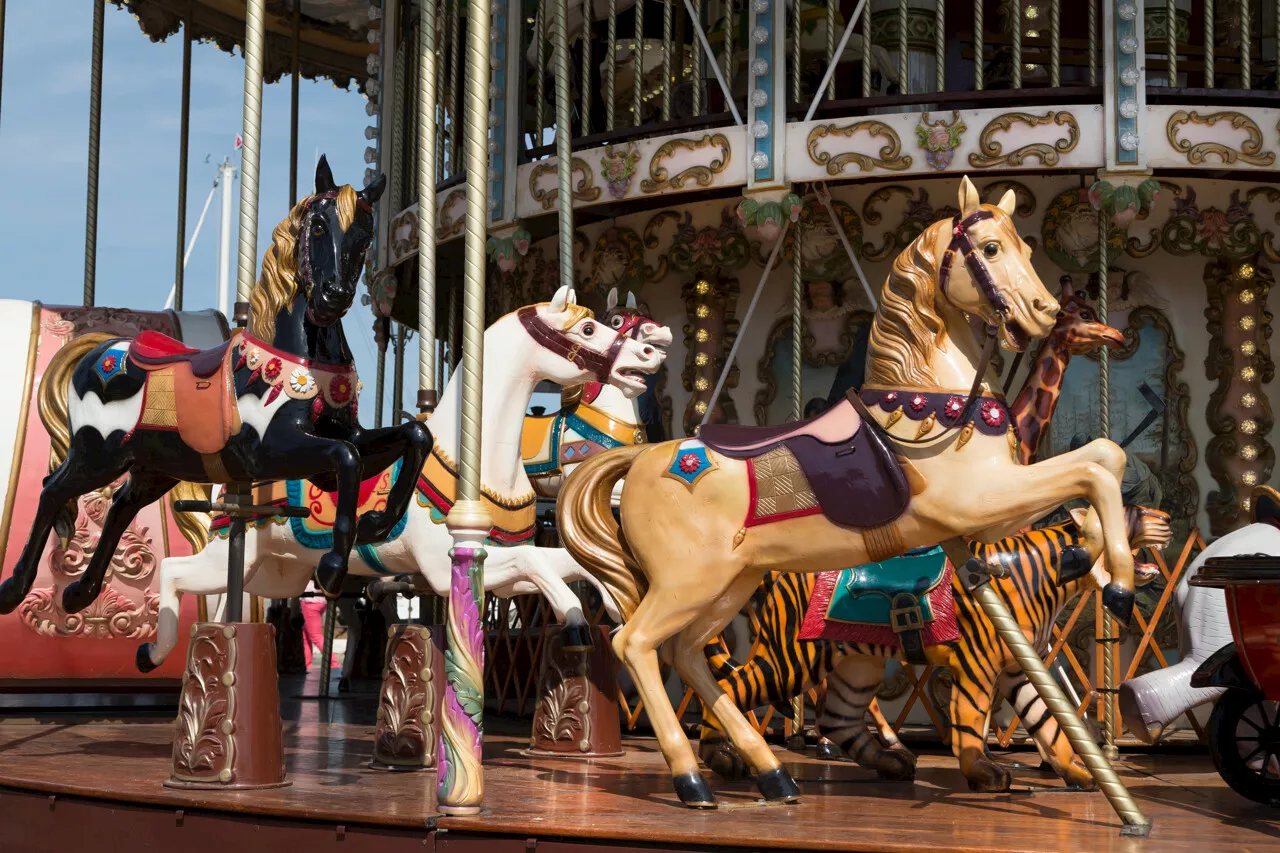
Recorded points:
(460, 777)
(427, 392)
(250, 155)
(95, 120)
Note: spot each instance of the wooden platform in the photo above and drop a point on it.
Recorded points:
(96, 786)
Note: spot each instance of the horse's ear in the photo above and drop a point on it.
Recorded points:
(373, 192)
(324, 177)
(573, 296)
(631, 300)
(561, 300)
(611, 301)
(969, 199)
(1008, 202)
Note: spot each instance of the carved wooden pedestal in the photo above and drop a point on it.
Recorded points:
(228, 729)
(577, 711)
(408, 727)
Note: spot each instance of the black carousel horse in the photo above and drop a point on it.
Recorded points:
(276, 402)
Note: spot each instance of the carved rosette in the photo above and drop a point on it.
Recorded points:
(407, 729)
(228, 731)
(708, 336)
(576, 715)
(1239, 412)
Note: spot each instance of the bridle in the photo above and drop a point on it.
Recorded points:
(632, 322)
(304, 234)
(960, 243)
(599, 363)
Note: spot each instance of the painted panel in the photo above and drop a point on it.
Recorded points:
(1178, 137)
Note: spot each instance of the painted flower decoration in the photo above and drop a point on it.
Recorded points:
(301, 381)
(108, 363)
(891, 397)
(992, 413)
(954, 406)
(689, 463)
(1213, 226)
(272, 369)
(705, 245)
(918, 402)
(253, 358)
(340, 389)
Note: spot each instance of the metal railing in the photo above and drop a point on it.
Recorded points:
(1212, 44)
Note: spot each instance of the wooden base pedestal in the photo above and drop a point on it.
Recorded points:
(408, 727)
(228, 731)
(577, 711)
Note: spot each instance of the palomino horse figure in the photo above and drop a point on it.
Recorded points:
(558, 341)
(276, 401)
(592, 417)
(720, 511)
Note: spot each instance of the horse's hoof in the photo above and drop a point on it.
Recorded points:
(12, 591)
(828, 751)
(575, 637)
(693, 791)
(1073, 564)
(344, 685)
(372, 527)
(777, 786)
(987, 777)
(1119, 602)
(723, 759)
(77, 596)
(330, 573)
(143, 658)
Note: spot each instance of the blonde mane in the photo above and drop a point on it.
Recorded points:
(907, 327)
(278, 284)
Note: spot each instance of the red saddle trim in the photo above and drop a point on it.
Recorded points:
(155, 346)
(943, 629)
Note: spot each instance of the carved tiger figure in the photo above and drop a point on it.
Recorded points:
(1035, 592)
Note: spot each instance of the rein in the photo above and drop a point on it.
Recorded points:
(599, 363)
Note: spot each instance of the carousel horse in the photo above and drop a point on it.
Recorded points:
(785, 666)
(592, 417)
(559, 341)
(846, 488)
(276, 401)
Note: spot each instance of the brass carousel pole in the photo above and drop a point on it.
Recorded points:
(293, 103)
(95, 120)
(797, 411)
(427, 392)
(254, 38)
(460, 779)
(1107, 705)
(184, 134)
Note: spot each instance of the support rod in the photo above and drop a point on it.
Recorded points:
(1104, 430)
(95, 121)
(184, 134)
(825, 197)
(427, 391)
(564, 141)
(839, 52)
(294, 76)
(715, 66)
(250, 154)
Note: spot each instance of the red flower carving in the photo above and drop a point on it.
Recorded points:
(108, 363)
(954, 406)
(992, 413)
(273, 369)
(690, 462)
(918, 402)
(891, 397)
(340, 389)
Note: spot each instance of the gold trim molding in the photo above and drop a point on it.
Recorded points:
(659, 178)
(585, 190)
(890, 155)
(991, 153)
(1196, 153)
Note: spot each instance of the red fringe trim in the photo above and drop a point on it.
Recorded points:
(816, 626)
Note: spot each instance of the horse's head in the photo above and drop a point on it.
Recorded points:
(336, 228)
(986, 270)
(574, 347)
(1078, 326)
(628, 320)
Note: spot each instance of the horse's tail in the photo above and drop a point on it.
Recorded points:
(51, 401)
(588, 530)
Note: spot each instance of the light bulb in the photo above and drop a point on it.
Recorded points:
(1129, 108)
(759, 35)
(759, 66)
(759, 161)
(1130, 76)
(759, 98)
(1129, 141)
(759, 129)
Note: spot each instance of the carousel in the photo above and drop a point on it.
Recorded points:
(809, 446)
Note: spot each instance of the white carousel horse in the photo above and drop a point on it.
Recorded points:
(559, 341)
(592, 417)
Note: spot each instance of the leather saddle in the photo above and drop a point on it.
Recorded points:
(855, 475)
(190, 390)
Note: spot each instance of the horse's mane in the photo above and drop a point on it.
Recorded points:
(278, 284)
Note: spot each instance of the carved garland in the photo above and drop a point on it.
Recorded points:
(1239, 413)
(660, 179)
(1249, 152)
(991, 153)
(446, 225)
(890, 156)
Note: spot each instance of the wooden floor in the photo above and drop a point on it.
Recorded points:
(614, 802)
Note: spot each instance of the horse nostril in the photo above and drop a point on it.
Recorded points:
(648, 352)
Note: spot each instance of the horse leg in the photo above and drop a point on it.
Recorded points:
(142, 488)
(850, 692)
(539, 571)
(68, 482)
(1053, 745)
(204, 573)
(380, 448)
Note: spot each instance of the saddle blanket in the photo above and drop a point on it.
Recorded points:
(862, 604)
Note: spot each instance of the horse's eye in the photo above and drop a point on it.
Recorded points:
(588, 329)
(991, 250)
(317, 230)
(616, 322)
(1087, 316)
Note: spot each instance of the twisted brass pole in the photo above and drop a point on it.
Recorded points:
(1104, 429)
(1015, 15)
(1055, 44)
(95, 122)
(797, 396)
(455, 82)
(939, 45)
(564, 149)
(831, 44)
(795, 52)
(184, 134)
(667, 47)
(866, 50)
(637, 80)
(1246, 44)
(904, 68)
(1172, 38)
(1093, 42)
(294, 79)
(978, 585)
(254, 37)
(584, 107)
(978, 50)
(426, 205)
(1208, 45)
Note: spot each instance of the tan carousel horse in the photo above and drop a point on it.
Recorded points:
(703, 520)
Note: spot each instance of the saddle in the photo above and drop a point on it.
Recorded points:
(854, 474)
(188, 390)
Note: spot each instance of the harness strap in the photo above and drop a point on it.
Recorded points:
(961, 243)
(599, 363)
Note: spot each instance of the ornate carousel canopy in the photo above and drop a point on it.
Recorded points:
(333, 34)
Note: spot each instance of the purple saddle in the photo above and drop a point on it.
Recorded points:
(853, 472)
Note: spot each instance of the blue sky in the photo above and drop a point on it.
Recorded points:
(44, 161)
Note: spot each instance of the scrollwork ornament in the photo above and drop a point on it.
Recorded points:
(651, 242)
(918, 216)
(990, 152)
(1209, 231)
(890, 156)
(1250, 151)
(702, 175)
(585, 190)
(617, 260)
(709, 249)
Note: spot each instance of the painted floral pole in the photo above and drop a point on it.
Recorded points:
(459, 778)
